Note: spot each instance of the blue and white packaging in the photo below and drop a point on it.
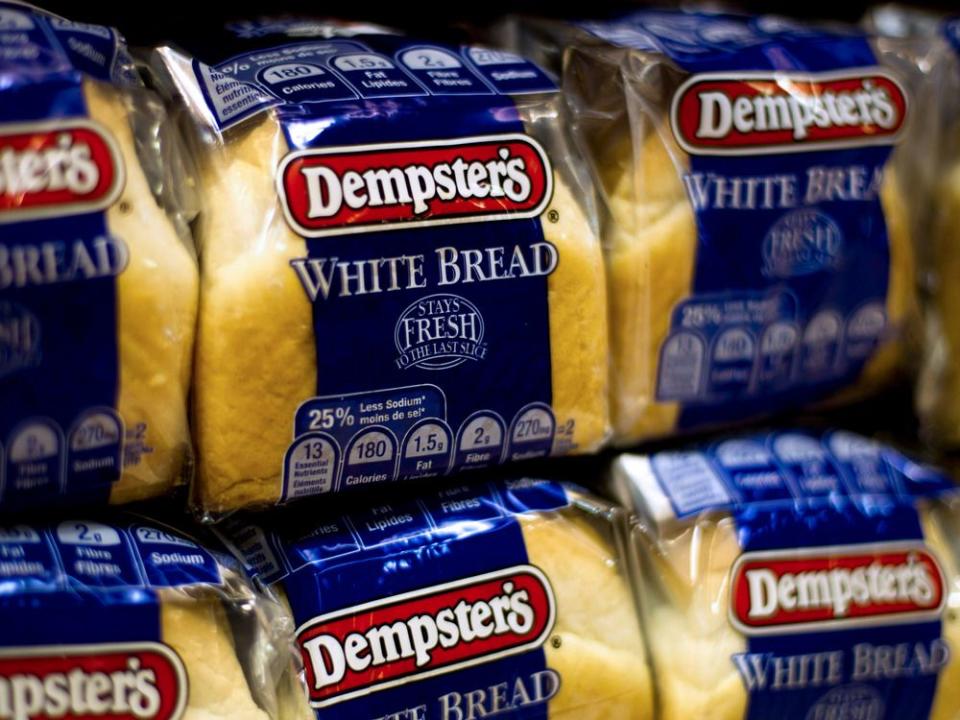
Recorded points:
(124, 617)
(98, 278)
(400, 268)
(759, 180)
(509, 600)
(797, 575)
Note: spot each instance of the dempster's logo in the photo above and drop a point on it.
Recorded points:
(61, 167)
(755, 113)
(340, 190)
(438, 332)
(785, 591)
(123, 681)
(425, 633)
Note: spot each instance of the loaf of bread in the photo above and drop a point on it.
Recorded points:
(587, 660)
(257, 361)
(653, 245)
(698, 637)
(98, 276)
(171, 628)
(157, 298)
(733, 296)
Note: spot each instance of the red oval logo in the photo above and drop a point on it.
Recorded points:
(760, 112)
(341, 190)
(121, 681)
(59, 167)
(784, 591)
(424, 633)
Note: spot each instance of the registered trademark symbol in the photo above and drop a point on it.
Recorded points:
(124, 207)
(553, 216)
(555, 640)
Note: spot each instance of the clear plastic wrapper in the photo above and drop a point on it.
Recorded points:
(761, 184)
(797, 575)
(124, 616)
(98, 277)
(507, 600)
(400, 265)
(938, 390)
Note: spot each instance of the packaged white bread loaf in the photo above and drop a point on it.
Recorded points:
(757, 197)
(506, 600)
(124, 617)
(938, 389)
(98, 280)
(797, 575)
(400, 268)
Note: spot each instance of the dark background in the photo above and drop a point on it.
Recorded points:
(145, 22)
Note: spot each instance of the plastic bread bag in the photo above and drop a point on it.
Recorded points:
(98, 278)
(123, 616)
(508, 599)
(938, 392)
(758, 181)
(400, 268)
(797, 575)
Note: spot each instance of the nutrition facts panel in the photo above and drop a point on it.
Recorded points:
(324, 71)
(350, 441)
(781, 467)
(747, 345)
(274, 556)
(39, 454)
(81, 554)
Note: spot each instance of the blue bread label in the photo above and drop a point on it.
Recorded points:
(791, 467)
(88, 556)
(419, 609)
(61, 438)
(789, 130)
(419, 194)
(838, 595)
(80, 622)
